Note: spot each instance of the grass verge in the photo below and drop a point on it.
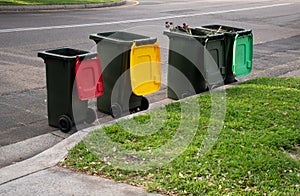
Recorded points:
(257, 151)
(51, 2)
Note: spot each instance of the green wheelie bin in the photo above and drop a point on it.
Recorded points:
(115, 49)
(199, 56)
(62, 100)
(238, 50)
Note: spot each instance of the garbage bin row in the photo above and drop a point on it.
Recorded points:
(127, 66)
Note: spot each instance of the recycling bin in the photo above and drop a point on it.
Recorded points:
(238, 50)
(131, 69)
(62, 99)
(199, 56)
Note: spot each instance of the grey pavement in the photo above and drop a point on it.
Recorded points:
(278, 56)
(57, 181)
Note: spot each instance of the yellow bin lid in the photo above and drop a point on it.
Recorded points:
(145, 68)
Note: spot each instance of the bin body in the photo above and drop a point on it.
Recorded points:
(196, 57)
(114, 50)
(60, 75)
(238, 50)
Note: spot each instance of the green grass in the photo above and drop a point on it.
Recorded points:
(51, 2)
(257, 151)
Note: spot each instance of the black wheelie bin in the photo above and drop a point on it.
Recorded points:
(62, 98)
(199, 56)
(131, 69)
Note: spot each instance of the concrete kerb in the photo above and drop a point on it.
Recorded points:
(59, 7)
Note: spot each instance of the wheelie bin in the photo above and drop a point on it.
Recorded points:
(238, 50)
(199, 56)
(62, 99)
(131, 69)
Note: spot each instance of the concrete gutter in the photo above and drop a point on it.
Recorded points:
(59, 7)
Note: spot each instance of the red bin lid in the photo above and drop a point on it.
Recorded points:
(89, 80)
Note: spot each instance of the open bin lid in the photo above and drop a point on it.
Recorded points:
(242, 55)
(89, 80)
(145, 68)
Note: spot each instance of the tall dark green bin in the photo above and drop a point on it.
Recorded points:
(199, 56)
(114, 51)
(61, 99)
(239, 50)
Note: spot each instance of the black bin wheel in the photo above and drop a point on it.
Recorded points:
(65, 123)
(144, 104)
(90, 116)
(116, 111)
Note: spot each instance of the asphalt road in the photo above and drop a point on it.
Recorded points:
(23, 116)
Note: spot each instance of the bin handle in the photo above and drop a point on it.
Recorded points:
(214, 37)
(244, 32)
(144, 41)
(86, 56)
(136, 43)
(79, 59)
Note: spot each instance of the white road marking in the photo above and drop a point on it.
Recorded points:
(141, 20)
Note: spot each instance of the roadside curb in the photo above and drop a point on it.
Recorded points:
(59, 7)
(47, 159)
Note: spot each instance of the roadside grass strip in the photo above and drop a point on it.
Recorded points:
(256, 153)
(51, 2)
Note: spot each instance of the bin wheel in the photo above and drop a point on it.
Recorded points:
(65, 123)
(144, 104)
(116, 111)
(90, 116)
